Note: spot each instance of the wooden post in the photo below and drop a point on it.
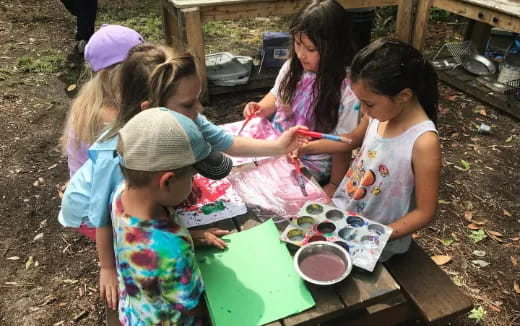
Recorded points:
(421, 22)
(194, 38)
(404, 22)
(172, 33)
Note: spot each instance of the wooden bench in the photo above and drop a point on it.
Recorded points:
(430, 290)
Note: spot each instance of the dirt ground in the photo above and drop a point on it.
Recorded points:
(48, 274)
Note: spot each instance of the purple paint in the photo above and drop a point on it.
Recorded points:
(322, 266)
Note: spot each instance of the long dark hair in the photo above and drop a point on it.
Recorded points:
(323, 21)
(388, 66)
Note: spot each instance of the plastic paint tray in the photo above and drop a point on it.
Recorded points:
(364, 239)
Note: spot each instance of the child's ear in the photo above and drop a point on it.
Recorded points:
(145, 105)
(405, 95)
(165, 179)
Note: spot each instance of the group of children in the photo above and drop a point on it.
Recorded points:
(135, 136)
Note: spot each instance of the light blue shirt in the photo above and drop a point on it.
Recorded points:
(88, 195)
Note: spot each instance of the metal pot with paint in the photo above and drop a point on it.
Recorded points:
(322, 263)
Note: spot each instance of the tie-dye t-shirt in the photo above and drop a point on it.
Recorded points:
(380, 182)
(302, 114)
(157, 273)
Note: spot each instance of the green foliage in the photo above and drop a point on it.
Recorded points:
(48, 63)
(437, 14)
(465, 164)
(477, 236)
(447, 241)
(477, 314)
(146, 20)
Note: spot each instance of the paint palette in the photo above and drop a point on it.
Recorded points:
(363, 238)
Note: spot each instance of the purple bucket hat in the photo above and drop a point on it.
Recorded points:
(109, 45)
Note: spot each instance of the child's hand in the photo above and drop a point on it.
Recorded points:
(108, 286)
(290, 140)
(252, 108)
(209, 237)
(330, 189)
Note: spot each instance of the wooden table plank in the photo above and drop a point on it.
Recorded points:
(430, 289)
(181, 4)
(362, 288)
(510, 7)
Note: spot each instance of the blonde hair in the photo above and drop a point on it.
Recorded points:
(84, 118)
(151, 72)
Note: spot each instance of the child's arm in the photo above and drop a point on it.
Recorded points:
(267, 107)
(324, 146)
(287, 142)
(426, 158)
(108, 286)
(209, 237)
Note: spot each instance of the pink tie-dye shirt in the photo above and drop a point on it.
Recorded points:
(301, 114)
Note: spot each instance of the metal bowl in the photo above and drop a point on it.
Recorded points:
(322, 247)
(478, 64)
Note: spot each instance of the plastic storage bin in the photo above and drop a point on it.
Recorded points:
(225, 69)
(275, 49)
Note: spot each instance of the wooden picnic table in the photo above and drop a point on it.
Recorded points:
(183, 19)
(361, 297)
(504, 14)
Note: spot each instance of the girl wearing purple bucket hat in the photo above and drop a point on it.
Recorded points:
(96, 105)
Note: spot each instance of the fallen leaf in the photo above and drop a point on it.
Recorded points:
(441, 259)
(480, 263)
(506, 213)
(13, 258)
(509, 139)
(29, 262)
(465, 165)
(479, 253)
(516, 287)
(480, 223)
(443, 202)
(468, 216)
(11, 283)
(52, 166)
(454, 236)
(38, 236)
(495, 308)
(483, 112)
(492, 235)
(474, 226)
(514, 261)
(67, 281)
(497, 234)
(71, 87)
(35, 183)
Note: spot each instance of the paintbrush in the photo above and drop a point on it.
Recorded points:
(249, 117)
(314, 134)
(299, 177)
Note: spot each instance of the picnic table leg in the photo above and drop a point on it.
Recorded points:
(194, 38)
(404, 23)
(172, 33)
(421, 23)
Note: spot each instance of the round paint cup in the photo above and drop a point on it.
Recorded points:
(322, 263)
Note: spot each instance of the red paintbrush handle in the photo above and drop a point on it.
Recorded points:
(297, 167)
(309, 133)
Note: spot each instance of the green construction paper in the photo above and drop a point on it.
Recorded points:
(253, 281)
